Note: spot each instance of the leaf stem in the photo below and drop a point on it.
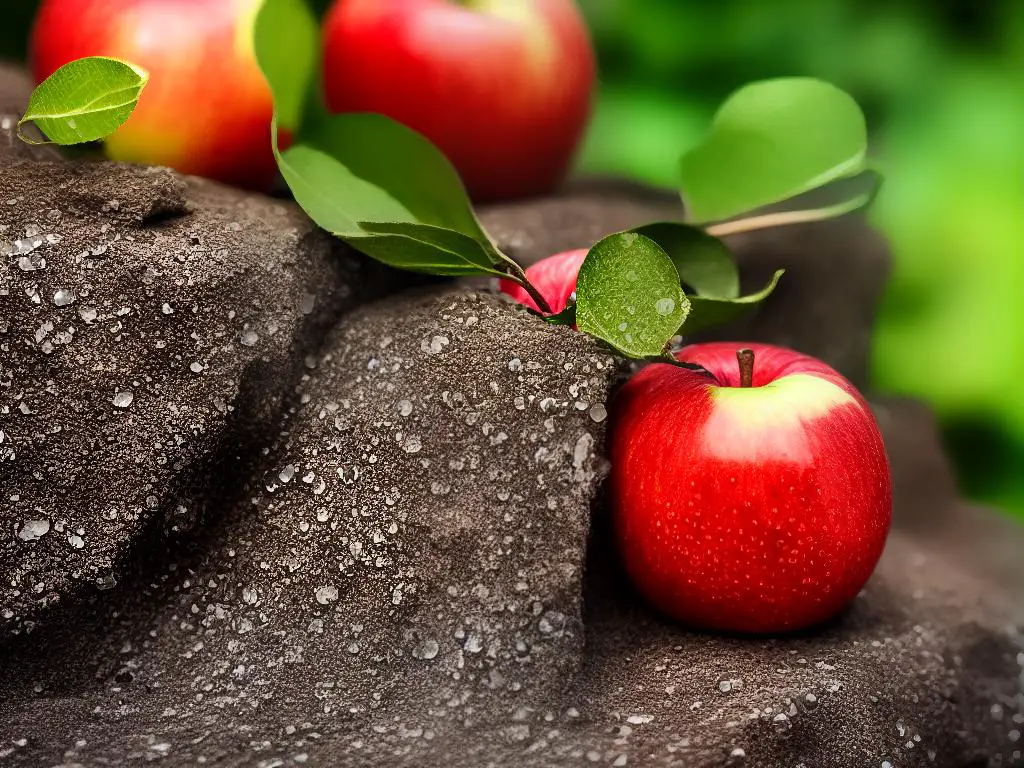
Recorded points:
(517, 274)
(785, 218)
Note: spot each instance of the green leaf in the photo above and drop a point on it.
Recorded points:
(369, 180)
(628, 295)
(772, 140)
(287, 41)
(706, 312)
(400, 162)
(566, 317)
(332, 195)
(85, 100)
(437, 250)
(422, 256)
(704, 262)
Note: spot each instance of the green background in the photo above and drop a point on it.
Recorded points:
(942, 82)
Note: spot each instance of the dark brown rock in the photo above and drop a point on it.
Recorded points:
(405, 567)
(15, 88)
(150, 330)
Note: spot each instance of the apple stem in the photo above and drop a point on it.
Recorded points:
(745, 357)
(520, 277)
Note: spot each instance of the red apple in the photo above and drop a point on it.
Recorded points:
(503, 87)
(553, 277)
(206, 109)
(757, 508)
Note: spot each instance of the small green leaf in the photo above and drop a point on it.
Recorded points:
(704, 262)
(628, 295)
(378, 185)
(85, 100)
(706, 312)
(566, 317)
(437, 250)
(332, 195)
(399, 161)
(421, 256)
(770, 141)
(287, 40)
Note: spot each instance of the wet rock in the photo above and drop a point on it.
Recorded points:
(15, 88)
(404, 569)
(150, 332)
(924, 669)
(825, 305)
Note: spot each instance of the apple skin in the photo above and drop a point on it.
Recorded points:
(206, 110)
(502, 87)
(758, 509)
(553, 277)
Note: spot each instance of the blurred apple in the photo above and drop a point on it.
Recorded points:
(206, 110)
(503, 87)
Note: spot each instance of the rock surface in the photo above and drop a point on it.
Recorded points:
(373, 540)
(15, 89)
(150, 329)
(404, 567)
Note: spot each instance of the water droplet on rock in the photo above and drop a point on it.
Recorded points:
(64, 296)
(124, 398)
(326, 594)
(435, 345)
(426, 649)
(31, 263)
(33, 529)
(551, 622)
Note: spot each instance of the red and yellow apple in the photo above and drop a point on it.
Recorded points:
(502, 87)
(206, 109)
(553, 277)
(752, 506)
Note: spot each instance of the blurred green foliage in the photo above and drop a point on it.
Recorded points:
(942, 83)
